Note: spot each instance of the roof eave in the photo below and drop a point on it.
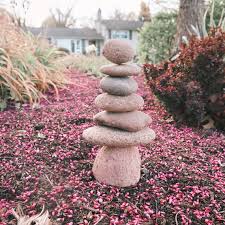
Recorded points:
(73, 37)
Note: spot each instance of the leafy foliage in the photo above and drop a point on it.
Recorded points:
(192, 87)
(156, 37)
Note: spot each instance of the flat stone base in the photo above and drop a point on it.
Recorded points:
(118, 166)
(113, 137)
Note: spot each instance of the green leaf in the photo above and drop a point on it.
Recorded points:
(3, 105)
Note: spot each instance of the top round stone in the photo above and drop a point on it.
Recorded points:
(118, 51)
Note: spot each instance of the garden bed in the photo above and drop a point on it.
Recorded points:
(44, 160)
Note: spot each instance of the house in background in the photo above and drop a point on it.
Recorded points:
(73, 39)
(77, 39)
(118, 29)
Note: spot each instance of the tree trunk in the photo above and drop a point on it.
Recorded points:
(191, 12)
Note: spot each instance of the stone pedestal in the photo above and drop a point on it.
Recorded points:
(120, 127)
(118, 166)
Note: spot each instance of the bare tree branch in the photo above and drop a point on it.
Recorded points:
(59, 18)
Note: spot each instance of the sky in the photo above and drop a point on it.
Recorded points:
(85, 10)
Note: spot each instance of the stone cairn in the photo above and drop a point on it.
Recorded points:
(121, 127)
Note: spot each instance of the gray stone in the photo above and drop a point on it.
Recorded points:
(130, 121)
(121, 70)
(105, 136)
(118, 51)
(118, 85)
(113, 103)
(117, 166)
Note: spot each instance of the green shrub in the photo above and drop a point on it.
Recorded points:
(156, 38)
(193, 87)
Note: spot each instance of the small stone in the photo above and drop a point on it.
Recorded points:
(130, 121)
(121, 70)
(105, 136)
(117, 166)
(114, 103)
(118, 51)
(118, 85)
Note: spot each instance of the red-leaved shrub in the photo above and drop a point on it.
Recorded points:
(193, 86)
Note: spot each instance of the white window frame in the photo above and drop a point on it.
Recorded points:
(120, 34)
(77, 45)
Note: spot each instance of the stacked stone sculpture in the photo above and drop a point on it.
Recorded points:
(120, 127)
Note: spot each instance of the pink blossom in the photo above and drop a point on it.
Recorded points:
(44, 160)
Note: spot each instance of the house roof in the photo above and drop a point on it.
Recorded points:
(122, 24)
(80, 33)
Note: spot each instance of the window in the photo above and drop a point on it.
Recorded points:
(72, 46)
(120, 34)
(76, 46)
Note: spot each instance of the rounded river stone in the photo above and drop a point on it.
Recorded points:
(121, 70)
(118, 51)
(105, 136)
(118, 166)
(118, 85)
(130, 121)
(115, 103)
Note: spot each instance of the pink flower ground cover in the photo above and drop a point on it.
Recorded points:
(45, 161)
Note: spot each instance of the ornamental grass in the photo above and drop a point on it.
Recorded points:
(28, 65)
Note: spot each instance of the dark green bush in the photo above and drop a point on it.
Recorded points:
(156, 37)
